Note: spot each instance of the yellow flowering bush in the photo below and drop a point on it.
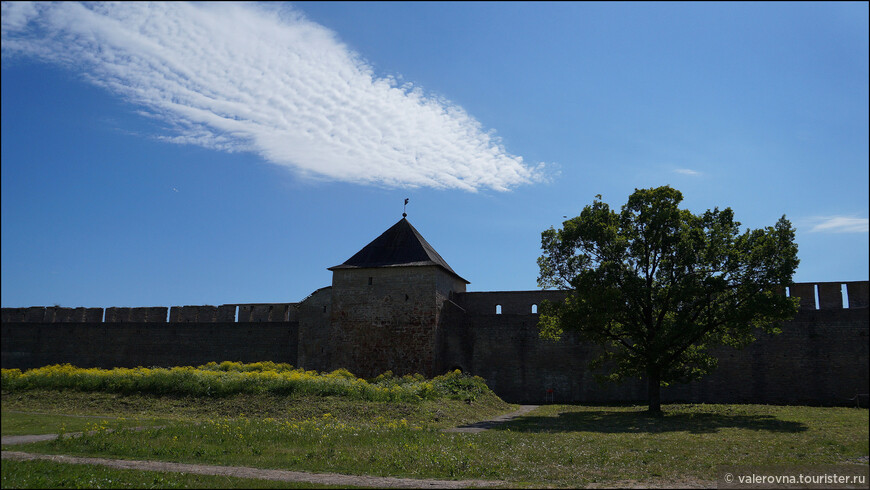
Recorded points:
(226, 378)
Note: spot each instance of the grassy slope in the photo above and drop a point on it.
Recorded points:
(434, 414)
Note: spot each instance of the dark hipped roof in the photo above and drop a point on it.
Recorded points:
(400, 246)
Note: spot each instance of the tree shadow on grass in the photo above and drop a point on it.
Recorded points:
(640, 422)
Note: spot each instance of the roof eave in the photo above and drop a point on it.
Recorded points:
(410, 264)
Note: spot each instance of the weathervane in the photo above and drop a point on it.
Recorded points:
(404, 214)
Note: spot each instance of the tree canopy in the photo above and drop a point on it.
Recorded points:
(656, 286)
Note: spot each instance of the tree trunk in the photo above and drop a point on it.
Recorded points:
(654, 391)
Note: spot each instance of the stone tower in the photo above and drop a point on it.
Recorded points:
(386, 304)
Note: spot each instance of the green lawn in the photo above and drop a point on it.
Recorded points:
(556, 445)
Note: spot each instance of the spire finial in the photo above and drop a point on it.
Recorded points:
(404, 214)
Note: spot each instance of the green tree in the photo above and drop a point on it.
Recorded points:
(656, 286)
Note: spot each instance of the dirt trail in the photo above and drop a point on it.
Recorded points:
(488, 424)
(27, 439)
(262, 474)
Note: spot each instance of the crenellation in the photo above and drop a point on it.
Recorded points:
(202, 314)
(10, 315)
(137, 315)
(806, 292)
(50, 314)
(156, 314)
(62, 315)
(117, 314)
(151, 314)
(245, 313)
(34, 314)
(859, 294)
(226, 313)
(193, 314)
(260, 313)
(93, 315)
(830, 295)
(279, 313)
(72, 315)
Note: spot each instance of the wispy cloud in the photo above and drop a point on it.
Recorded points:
(839, 224)
(261, 78)
(687, 171)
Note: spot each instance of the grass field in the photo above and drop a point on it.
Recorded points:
(46, 474)
(556, 445)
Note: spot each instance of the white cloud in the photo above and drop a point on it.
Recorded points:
(839, 224)
(261, 78)
(687, 171)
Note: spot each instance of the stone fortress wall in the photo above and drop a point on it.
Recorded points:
(820, 358)
(151, 336)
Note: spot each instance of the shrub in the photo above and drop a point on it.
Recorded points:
(227, 378)
(460, 386)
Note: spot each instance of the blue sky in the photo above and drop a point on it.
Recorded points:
(171, 154)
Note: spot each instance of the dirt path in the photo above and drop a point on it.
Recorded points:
(27, 439)
(245, 472)
(488, 424)
(263, 474)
